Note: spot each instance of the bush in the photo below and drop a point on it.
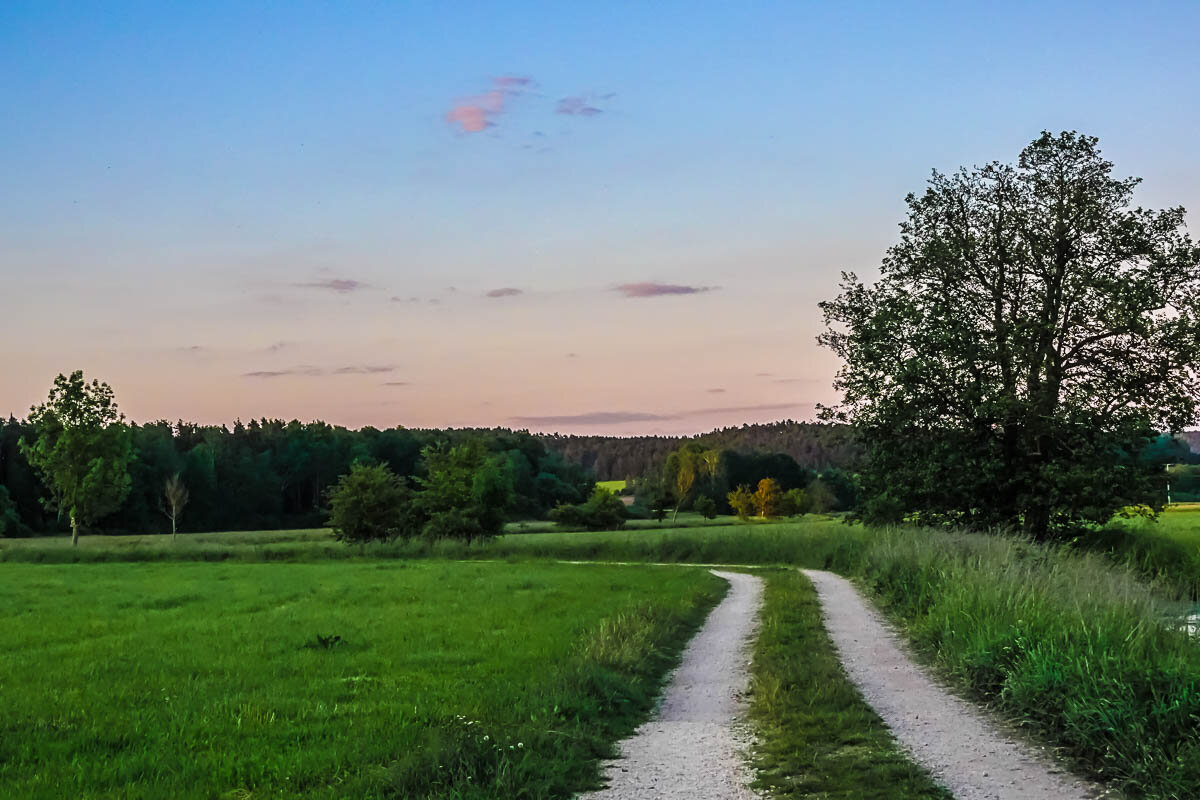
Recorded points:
(370, 504)
(706, 506)
(795, 503)
(462, 524)
(603, 511)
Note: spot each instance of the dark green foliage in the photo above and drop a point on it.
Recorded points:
(1027, 338)
(270, 474)
(815, 446)
(327, 642)
(10, 522)
(603, 511)
(795, 503)
(370, 504)
(705, 506)
(816, 735)
(465, 493)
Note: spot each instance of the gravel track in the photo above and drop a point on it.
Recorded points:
(949, 737)
(693, 748)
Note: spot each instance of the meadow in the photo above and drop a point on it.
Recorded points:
(351, 679)
(1078, 645)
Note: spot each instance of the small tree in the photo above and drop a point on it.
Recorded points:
(795, 503)
(742, 501)
(370, 503)
(768, 498)
(175, 497)
(660, 501)
(821, 499)
(685, 467)
(82, 450)
(706, 506)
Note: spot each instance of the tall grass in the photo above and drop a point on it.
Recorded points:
(1077, 650)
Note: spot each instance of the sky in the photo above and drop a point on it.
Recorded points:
(585, 217)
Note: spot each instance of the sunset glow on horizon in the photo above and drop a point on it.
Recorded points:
(533, 216)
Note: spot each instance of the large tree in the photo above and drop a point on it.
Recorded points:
(82, 450)
(1027, 336)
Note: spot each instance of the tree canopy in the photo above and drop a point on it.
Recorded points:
(1028, 335)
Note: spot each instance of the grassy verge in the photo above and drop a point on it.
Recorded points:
(471, 681)
(1078, 651)
(818, 737)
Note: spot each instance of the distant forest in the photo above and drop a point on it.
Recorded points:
(813, 445)
(270, 474)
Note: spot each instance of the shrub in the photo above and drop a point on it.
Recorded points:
(795, 503)
(706, 506)
(463, 524)
(370, 504)
(603, 511)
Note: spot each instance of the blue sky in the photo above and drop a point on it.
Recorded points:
(227, 209)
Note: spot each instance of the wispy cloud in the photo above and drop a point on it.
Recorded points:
(397, 383)
(316, 372)
(339, 285)
(507, 291)
(742, 409)
(659, 289)
(363, 370)
(577, 107)
(716, 391)
(593, 418)
(477, 113)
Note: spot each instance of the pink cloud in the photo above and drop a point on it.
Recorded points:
(475, 114)
(507, 291)
(658, 289)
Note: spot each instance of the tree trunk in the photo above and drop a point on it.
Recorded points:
(74, 531)
(172, 529)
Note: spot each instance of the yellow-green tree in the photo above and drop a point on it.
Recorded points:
(768, 498)
(742, 501)
(685, 467)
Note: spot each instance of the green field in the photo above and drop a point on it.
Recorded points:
(1077, 648)
(200, 680)
(612, 486)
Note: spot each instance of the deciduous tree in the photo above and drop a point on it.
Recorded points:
(175, 497)
(768, 498)
(81, 449)
(1028, 334)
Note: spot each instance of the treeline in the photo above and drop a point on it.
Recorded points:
(815, 446)
(271, 474)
